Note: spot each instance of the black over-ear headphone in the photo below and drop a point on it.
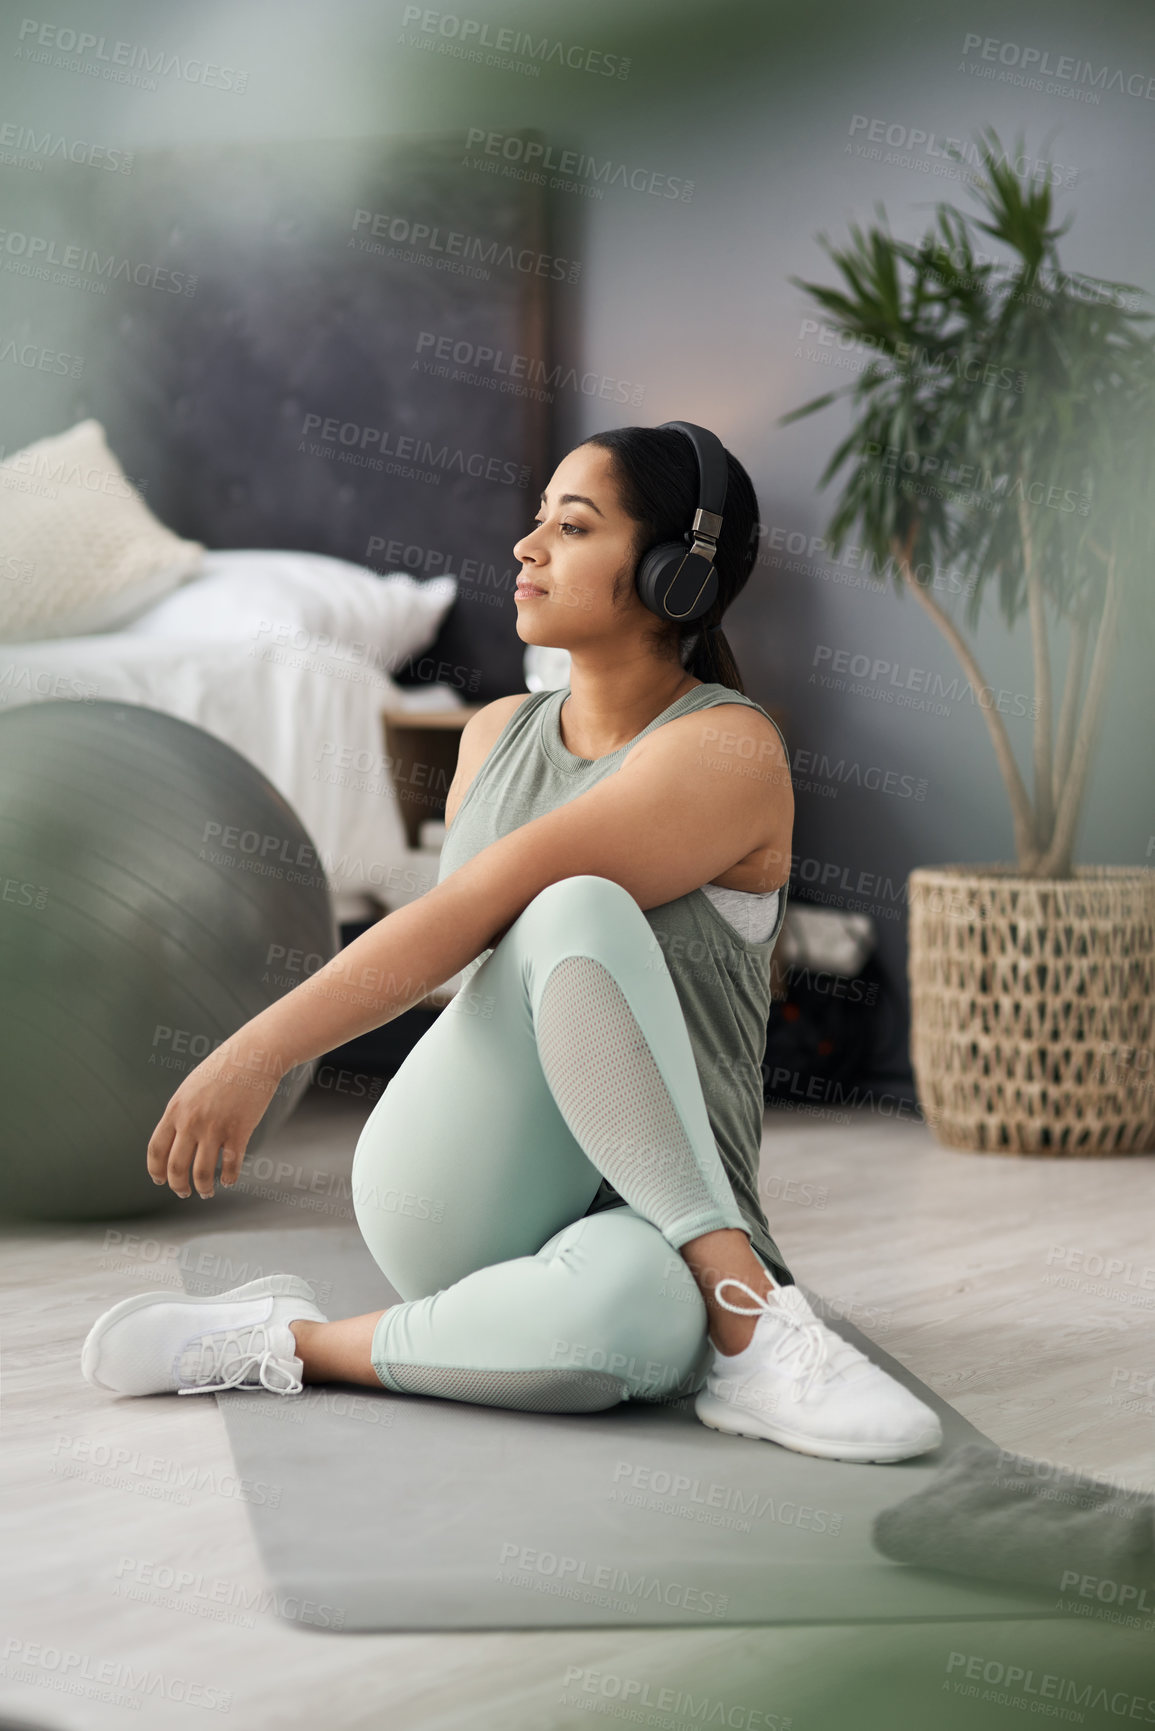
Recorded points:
(677, 579)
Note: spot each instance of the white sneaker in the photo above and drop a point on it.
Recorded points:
(155, 1342)
(799, 1384)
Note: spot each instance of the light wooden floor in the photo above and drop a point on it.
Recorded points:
(957, 1264)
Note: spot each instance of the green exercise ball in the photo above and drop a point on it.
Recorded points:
(156, 893)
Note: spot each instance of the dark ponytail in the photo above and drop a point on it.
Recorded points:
(707, 655)
(656, 474)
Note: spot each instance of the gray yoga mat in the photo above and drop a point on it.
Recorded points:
(376, 1511)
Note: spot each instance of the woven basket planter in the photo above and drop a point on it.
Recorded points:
(1033, 1008)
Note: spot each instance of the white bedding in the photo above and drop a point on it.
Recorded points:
(309, 718)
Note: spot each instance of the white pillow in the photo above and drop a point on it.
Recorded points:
(80, 551)
(305, 602)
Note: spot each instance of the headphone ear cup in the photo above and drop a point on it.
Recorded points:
(706, 599)
(654, 571)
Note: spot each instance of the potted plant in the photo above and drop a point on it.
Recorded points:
(1005, 435)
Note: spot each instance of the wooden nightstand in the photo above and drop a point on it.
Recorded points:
(421, 751)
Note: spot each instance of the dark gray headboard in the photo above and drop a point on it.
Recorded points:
(255, 356)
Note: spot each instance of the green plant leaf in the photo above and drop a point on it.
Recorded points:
(1009, 404)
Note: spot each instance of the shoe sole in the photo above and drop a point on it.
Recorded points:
(276, 1285)
(723, 1416)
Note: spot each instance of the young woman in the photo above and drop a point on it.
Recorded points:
(561, 1180)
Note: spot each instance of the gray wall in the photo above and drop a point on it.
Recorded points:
(684, 306)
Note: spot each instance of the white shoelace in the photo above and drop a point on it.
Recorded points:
(808, 1340)
(273, 1370)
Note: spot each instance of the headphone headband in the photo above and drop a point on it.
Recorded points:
(676, 579)
(713, 472)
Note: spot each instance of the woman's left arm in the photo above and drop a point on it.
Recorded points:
(692, 799)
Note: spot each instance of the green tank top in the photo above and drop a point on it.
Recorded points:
(721, 977)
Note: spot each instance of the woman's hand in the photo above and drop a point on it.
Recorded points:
(217, 1106)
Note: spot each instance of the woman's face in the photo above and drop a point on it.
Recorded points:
(580, 542)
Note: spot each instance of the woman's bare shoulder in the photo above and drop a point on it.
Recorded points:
(725, 731)
(484, 728)
(742, 751)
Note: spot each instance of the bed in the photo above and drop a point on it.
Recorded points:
(304, 707)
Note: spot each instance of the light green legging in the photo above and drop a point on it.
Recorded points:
(565, 1058)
